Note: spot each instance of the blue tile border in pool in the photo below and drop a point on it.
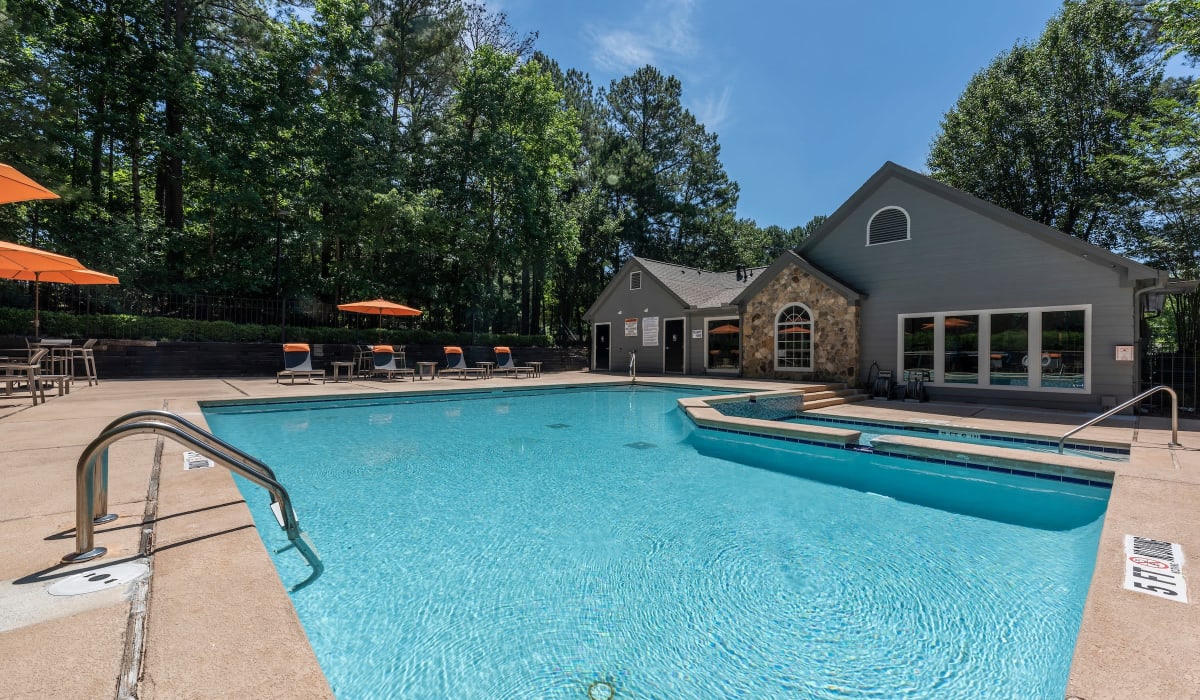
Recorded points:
(916, 458)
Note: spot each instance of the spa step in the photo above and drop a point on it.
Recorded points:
(824, 399)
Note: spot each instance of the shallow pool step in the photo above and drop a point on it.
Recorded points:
(825, 399)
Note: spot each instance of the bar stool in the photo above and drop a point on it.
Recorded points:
(363, 360)
(84, 352)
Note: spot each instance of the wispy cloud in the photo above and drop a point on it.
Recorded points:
(712, 110)
(664, 34)
(661, 34)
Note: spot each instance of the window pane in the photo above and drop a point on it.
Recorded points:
(918, 343)
(1063, 346)
(793, 339)
(1010, 349)
(724, 343)
(962, 349)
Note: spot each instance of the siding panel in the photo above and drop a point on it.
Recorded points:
(958, 260)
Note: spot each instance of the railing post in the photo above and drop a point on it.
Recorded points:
(100, 490)
(85, 492)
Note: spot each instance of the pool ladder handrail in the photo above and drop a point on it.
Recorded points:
(1117, 409)
(633, 365)
(100, 499)
(91, 481)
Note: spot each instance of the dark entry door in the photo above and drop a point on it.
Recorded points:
(673, 346)
(602, 346)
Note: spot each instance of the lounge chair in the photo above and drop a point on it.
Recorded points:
(297, 362)
(504, 363)
(384, 363)
(457, 364)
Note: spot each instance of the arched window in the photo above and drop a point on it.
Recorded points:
(888, 225)
(793, 338)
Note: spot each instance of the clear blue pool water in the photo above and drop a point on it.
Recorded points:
(538, 545)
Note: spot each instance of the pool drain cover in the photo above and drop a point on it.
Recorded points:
(641, 445)
(601, 691)
(99, 579)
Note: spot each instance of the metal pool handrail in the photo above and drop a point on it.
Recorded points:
(1113, 411)
(85, 483)
(100, 498)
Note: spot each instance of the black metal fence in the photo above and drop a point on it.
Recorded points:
(196, 307)
(1174, 368)
(122, 313)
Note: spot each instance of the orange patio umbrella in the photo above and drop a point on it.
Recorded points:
(725, 329)
(15, 187)
(381, 308)
(795, 329)
(18, 262)
(78, 276)
(951, 322)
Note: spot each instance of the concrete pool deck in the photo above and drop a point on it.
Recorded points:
(213, 619)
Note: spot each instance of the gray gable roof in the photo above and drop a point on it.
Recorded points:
(1129, 269)
(692, 287)
(696, 288)
(790, 258)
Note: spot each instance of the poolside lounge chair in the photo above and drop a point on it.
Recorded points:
(297, 362)
(457, 364)
(504, 363)
(384, 362)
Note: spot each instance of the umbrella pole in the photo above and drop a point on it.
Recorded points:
(36, 304)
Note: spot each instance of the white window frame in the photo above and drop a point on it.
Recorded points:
(985, 340)
(736, 368)
(812, 346)
(907, 226)
(635, 275)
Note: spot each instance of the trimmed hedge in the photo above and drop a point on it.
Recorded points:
(60, 325)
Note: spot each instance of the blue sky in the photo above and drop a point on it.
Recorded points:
(808, 98)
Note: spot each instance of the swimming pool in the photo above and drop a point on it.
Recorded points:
(564, 543)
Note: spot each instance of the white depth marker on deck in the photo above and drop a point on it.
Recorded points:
(1155, 567)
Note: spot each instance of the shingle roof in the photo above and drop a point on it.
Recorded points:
(698, 288)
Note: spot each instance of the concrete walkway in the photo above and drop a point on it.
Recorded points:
(213, 619)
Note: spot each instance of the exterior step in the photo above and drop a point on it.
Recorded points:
(824, 399)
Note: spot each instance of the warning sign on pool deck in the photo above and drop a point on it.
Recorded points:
(195, 460)
(1155, 567)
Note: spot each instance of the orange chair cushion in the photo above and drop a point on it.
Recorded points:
(452, 350)
(381, 348)
(295, 347)
(502, 349)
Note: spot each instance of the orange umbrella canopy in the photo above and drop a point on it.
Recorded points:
(951, 322)
(19, 257)
(382, 307)
(15, 187)
(795, 329)
(726, 329)
(80, 276)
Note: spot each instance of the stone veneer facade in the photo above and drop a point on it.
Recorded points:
(835, 329)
